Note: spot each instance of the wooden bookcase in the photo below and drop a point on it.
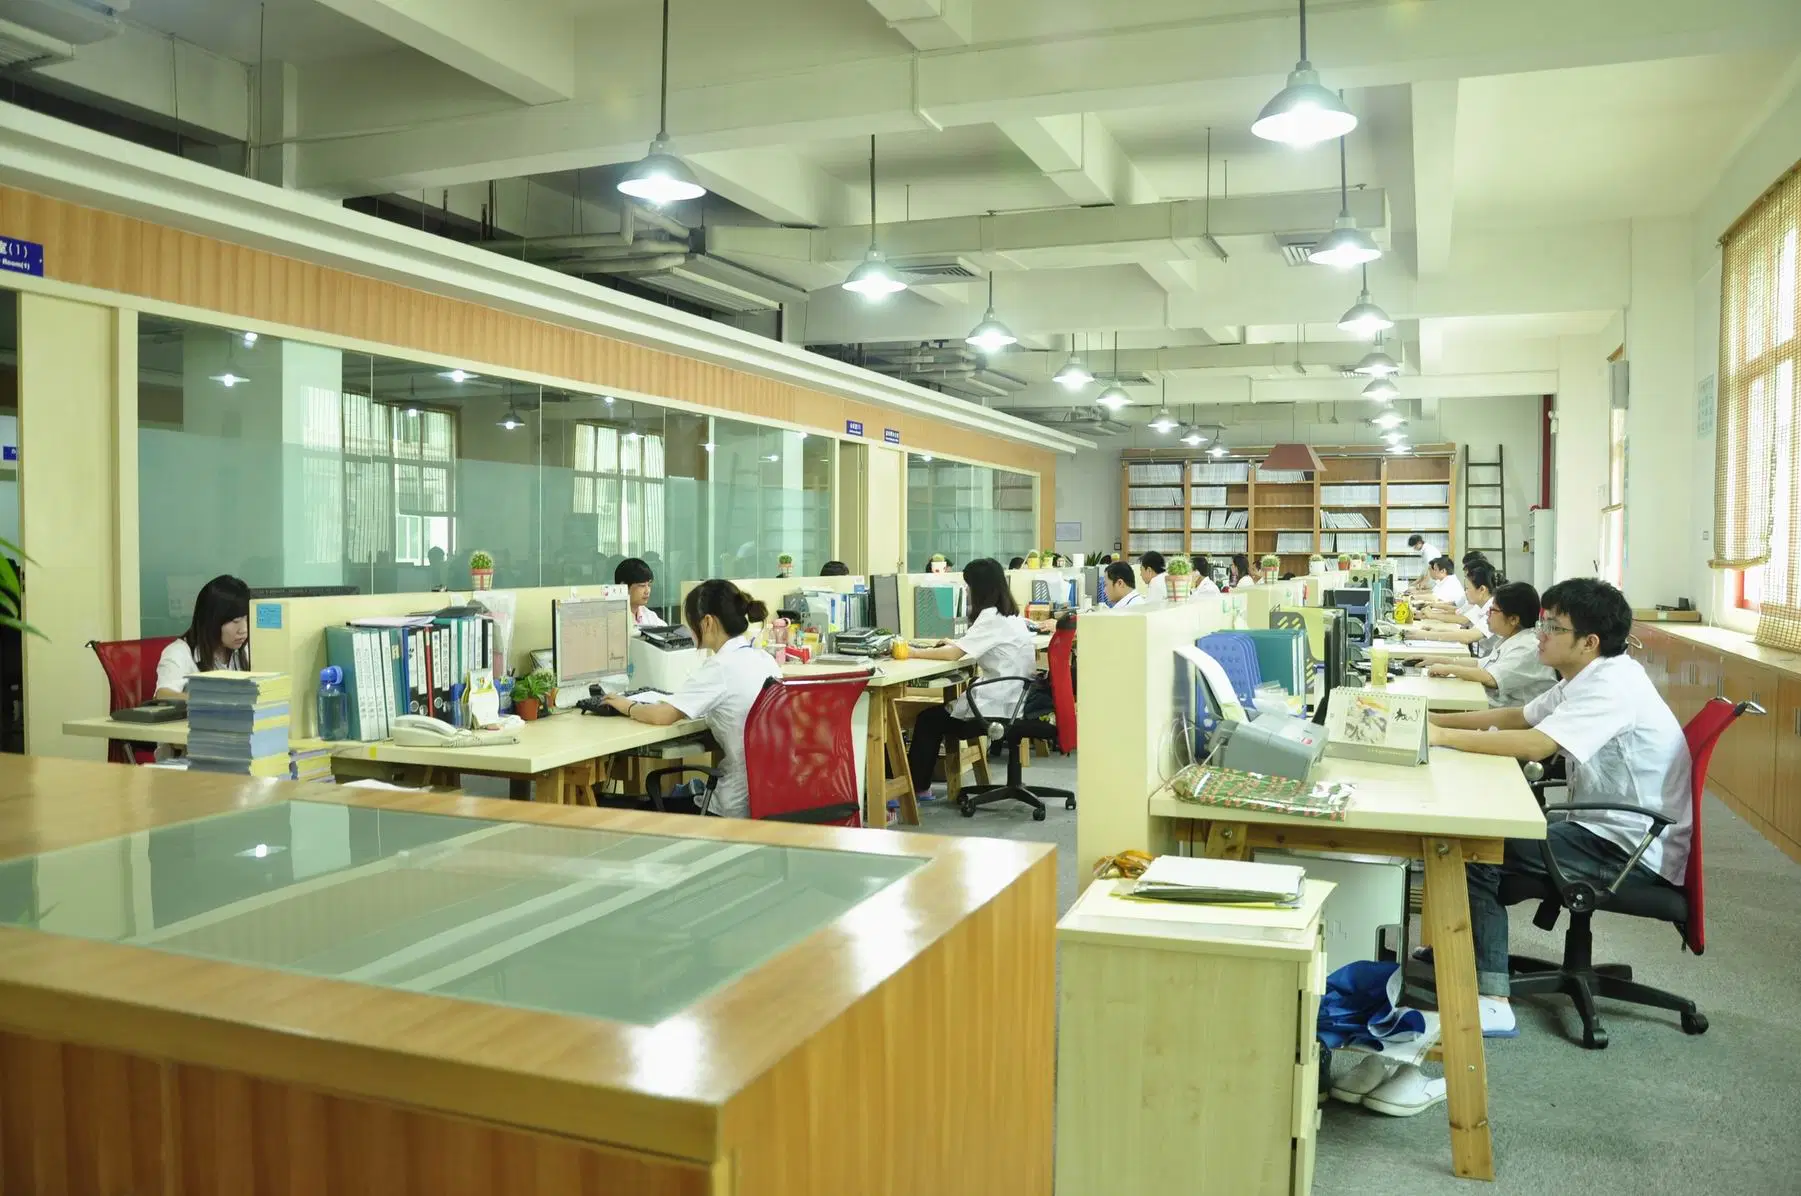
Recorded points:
(1171, 499)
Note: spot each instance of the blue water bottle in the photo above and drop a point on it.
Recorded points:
(334, 707)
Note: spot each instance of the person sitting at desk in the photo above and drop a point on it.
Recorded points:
(218, 637)
(1468, 624)
(636, 576)
(1151, 567)
(1623, 746)
(1000, 641)
(1241, 574)
(721, 690)
(835, 569)
(1204, 585)
(1510, 669)
(1447, 591)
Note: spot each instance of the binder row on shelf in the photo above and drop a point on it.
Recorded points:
(1338, 519)
(1229, 472)
(1278, 477)
(1156, 542)
(411, 669)
(1220, 519)
(1294, 541)
(1349, 542)
(1365, 495)
(1154, 475)
(1416, 494)
(1206, 496)
(1155, 496)
(1155, 521)
(1217, 542)
(1425, 520)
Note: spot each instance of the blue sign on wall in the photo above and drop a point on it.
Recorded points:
(891, 435)
(9, 452)
(853, 427)
(21, 257)
(268, 616)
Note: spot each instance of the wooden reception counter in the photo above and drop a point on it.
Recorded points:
(224, 986)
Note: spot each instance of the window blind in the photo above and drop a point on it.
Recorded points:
(1757, 447)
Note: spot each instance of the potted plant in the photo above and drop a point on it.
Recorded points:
(481, 570)
(530, 692)
(938, 564)
(1180, 573)
(1344, 561)
(1270, 563)
(1316, 563)
(784, 565)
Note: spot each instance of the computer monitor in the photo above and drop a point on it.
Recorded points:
(1337, 659)
(1091, 584)
(884, 597)
(590, 640)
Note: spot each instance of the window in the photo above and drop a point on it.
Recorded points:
(619, 481)
(1613, 515)
(1756, 522)
(399, 466)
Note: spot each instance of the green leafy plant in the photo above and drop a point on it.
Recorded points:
(787, 558)
(536, 684)
(12, 593)
(1270, 561)
(1179, 566)
(480, 560)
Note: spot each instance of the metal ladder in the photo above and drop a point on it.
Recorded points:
(1484, 525)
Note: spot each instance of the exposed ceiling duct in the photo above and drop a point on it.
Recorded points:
(949, 366)
(74, 22)
(23, 49)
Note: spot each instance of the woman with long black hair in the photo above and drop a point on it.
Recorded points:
(218, 637)
(1000, 641)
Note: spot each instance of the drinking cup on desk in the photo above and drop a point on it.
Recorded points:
(1379, 665)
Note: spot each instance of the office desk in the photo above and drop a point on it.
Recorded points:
(424, 994)
(109, 728)
(1451, 653)
(1456, 809)
(1442, 693)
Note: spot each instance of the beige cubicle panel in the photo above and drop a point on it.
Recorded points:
(1260, 599)
(1126, 710)
(1019, 581)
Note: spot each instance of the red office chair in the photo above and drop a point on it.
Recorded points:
(800, 758)
(130, 667)
(1021, 726)
(1684, 906)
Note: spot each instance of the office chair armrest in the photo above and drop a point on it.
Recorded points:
(1019, 706)
(653, 777)
(1658, 823)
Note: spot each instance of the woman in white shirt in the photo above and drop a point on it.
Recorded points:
(721, 690)
(636, 576)
(1151, 567)
(1204, 585)
(218, 637)
(1510, 669)
(1001, 644)
(1469, 623)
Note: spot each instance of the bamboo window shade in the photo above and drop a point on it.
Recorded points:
(1757, 448)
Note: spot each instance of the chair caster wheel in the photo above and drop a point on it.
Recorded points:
(1038, 815)
(1595, 1040)
(1069, 803)
(1694, 1023)
(967, 807)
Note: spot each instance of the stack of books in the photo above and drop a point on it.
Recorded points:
(238, 723)
(309, 760)
(1219, 882)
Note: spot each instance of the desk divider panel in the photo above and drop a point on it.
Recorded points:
(1125, 707)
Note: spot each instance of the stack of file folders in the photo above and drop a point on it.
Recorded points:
(1220, 882)
(238, 723)
(309, 760)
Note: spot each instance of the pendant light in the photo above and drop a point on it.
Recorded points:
(1364, 319)
(1115, 396)
(1074, 375)
(1400, 449)
(412, 399)
(874, 279)
(1219, 446)
(660, 177)
(1192, 436)
(1164, 422)
(1381, 390)
(1389, 420)
(990, 335)
(512, 419)
(1377, 364)
(1304, 113)
(1346, 245)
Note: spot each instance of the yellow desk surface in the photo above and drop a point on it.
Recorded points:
(108, 728)
(1457, 794)
(887, 674)
(1443, 693)
(1402, 650)
(547, 744)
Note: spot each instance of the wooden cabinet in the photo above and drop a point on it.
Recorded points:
(1745, 762)
(1785, 795)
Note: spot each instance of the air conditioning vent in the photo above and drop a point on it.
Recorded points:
(1135, 379)
(24, 49)
(955, 270)
(1296, 246)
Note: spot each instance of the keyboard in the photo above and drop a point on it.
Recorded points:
(597, 706)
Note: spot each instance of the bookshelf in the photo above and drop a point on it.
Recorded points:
(1363, 500)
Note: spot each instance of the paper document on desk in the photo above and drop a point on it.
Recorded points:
(1402, 649)
(649, 696)
(1220, 882)
(1383, 725)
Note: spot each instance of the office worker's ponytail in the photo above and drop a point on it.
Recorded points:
(734, 609)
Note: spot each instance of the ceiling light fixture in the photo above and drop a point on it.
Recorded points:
(708, 445)
(459, 375)
(1400, 450)
(990, 335)
(1346, 245)
(249, 339)
(926, 457)
(1218, 449)
(229, 379)
(1192, 435)
(512, 419)
(1164, 422)
(1074, 375)
(874, 279)
(1115, 396)
(660, 177)
(1377, 364)
(1390, 419)
(412, 399)
(1393, 436)
(1381, 390)
(1304, 113)
(1363, 319)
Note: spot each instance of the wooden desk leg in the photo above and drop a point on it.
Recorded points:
(875, 761)
(548, 786)
(897, 758)
(1460, 1017)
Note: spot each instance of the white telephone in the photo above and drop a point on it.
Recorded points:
(415, 730)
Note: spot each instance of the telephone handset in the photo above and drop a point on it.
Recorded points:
(415, 730)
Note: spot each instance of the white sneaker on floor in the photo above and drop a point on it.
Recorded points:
(1497, 1019)
(1407, 1093)
(1357, 1083)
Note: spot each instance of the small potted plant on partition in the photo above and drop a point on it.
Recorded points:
(481, 570)
(1180, 573)
(784, 565)
(1271, 564)
(1316, 563)
(530, 692)
(1344, 561)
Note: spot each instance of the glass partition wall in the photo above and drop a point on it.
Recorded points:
(966, 511)
(294, 465)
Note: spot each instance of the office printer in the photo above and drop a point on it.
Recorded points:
(661, 658)
(1277, 745)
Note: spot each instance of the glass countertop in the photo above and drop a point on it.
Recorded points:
(632, 928)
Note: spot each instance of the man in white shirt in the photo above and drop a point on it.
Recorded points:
(1428, 551)
(1151, 567)
(636, 576)
(1446, 588)
(1623, 747)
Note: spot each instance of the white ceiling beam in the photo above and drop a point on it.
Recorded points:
(780, 185)
(1142, 225)
(1079, 156)
(1216, 389)
(793, 99)
(929, 24)
(1434, 172)
(1042, 366)
(525, 48)
(143, 71)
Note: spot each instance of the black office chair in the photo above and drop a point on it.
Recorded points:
(1022, 726)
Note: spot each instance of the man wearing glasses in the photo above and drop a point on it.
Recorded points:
(1623, 746)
